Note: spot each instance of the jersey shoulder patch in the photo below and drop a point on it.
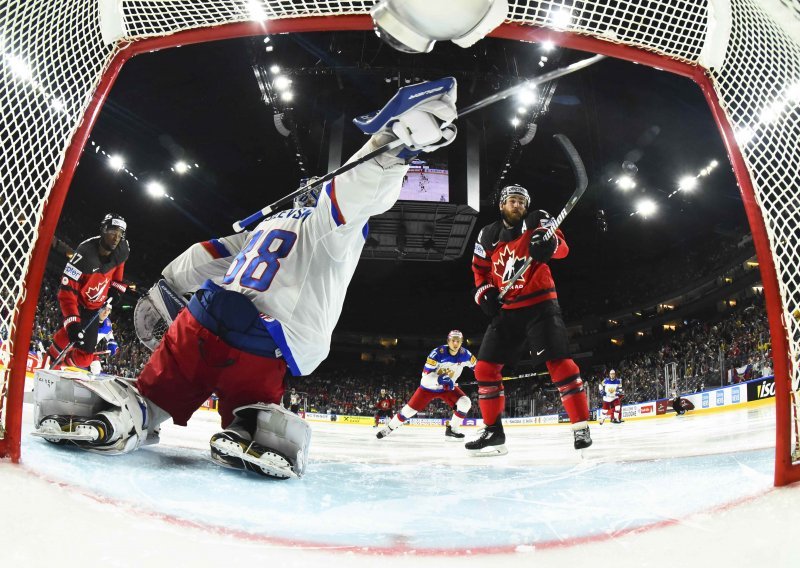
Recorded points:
(72, 272)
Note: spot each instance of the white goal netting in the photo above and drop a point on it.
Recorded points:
(55, 53)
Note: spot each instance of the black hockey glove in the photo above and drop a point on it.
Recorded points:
(74, 328)
(542, 250)
(487, 298)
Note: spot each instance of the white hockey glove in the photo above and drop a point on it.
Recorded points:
(421, 116)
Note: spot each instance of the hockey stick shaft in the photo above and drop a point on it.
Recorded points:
(240, 225)
(530, 83)
(62, 355)
(581, 182)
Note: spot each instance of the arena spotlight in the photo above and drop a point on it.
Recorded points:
(527, 96)
(561, 18)
(548, 46)
(116, 162)
(274, 69)
(256, 11)
(155, 189)
(181, 167)
(687, 183)
(646, 208)
(281, 82)
(287, 96)
(625, 183)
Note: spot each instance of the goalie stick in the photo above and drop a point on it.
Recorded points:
(240, 225)
(581, 181)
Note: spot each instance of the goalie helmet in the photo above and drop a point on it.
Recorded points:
(114, 221)
(517, 190)
(310, 197)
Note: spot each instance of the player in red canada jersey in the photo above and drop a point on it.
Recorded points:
(383, 407)
(528, 315)
(92, 276)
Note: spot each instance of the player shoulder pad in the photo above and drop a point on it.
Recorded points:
(432, 354)
(489, 236)
(123, 250)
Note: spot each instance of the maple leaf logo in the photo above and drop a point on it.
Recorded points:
(95, 293)
(507, 264)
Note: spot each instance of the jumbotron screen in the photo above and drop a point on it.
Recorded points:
(425, 182)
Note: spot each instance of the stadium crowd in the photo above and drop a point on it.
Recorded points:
(732, 346)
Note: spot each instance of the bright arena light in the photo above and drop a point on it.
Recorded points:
(527, 96)
(155, 189)
(626, 182)
(287, 96)
(19, 68)
(687, 183)
(275, 69)
(116, 162)
(561, 18)
(515, 122)
(281, 82)
(181, 167)
(256, 10)
(548, 45)
(646, 207)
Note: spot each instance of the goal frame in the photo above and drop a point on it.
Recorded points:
(785, 471)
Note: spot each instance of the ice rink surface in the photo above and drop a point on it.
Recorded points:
(678, 490)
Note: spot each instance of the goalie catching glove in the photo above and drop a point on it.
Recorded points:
(421, 116)
(155, 312)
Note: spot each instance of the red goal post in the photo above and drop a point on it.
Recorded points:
(60, 60)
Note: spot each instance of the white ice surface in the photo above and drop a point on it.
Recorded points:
(689, 491)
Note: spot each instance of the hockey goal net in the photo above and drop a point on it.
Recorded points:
(59, 60)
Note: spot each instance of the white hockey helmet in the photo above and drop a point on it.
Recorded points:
(455, 333)
(612, 373)
(517, 190)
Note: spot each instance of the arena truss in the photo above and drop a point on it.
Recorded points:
(59, 60)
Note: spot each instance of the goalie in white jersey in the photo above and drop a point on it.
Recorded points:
(267, 301)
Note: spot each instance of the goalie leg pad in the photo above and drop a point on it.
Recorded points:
(265, 438)
(110, 411)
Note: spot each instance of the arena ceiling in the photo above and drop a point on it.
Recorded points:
(205, 105)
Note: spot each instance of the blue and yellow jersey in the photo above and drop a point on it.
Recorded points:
(441, 362)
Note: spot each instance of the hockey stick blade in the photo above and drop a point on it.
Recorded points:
(581, 182)
(240, 225)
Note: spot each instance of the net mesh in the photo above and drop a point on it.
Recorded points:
(53, 57)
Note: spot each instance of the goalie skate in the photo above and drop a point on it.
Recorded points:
(231, 450)
(60, 429)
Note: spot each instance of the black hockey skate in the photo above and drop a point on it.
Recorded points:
(233, 450)
(84, 431)
(490, 443)
(450, 433)
(582, 438)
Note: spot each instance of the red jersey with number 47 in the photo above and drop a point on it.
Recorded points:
(500, 252)
(88, 277)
